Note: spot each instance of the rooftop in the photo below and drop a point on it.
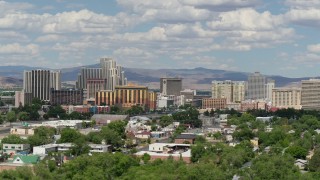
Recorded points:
(186, 136)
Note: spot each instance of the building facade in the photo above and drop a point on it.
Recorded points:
(233, 91)
(286, 98)
(270, 85)
(40, 82)
(22, 98)
(256, 86)
(107, 77)
(66, 97)
(95, 85)
(127, 96)
(170, 86)
(87, 73)
(310, 94)
(212, 103)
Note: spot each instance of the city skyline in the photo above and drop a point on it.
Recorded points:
(275, 38)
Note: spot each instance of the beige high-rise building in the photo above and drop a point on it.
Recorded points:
(286, 98)
(310, 94)
(232, 91)
(270, 85)
(239, 89)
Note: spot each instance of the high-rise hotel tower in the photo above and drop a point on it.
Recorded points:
(111, 73)
(40, 82)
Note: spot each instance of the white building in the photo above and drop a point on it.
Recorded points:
(99, 148)
(15, 148)
(45, 149)
(75, 124)
(166, 150)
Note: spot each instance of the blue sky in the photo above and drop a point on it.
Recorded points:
(273, 37)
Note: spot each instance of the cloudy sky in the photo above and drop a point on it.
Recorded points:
(279, 37)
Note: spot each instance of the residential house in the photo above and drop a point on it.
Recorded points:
(13, 149)
(158, 134)
(301, 163)
(143, 135)
(23, 159)
(185, 138)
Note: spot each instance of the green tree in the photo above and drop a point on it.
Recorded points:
(212, 112)
(297, 152)
(42, 135)
(114, 110)
(13, 139)
(93, 123)
(11, 116)
(206, 113)
(272, 167)
(217, 135)
(119, 127)
(314, 163)
(111, 137)
(197, 151)
(57, 112)
(243, 134)
(1, 119)
(94, 137)
(75, 115)
(23, 116)
(165, 120)
(69, 135)
(146, 158)
(135, 110)
(80, 147)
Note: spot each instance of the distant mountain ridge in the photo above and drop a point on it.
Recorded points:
(197, 78)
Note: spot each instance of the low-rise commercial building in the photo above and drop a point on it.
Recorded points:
(22, 131)
(66, 97)
(62, 147)
(212, 103)
(167, 150)
(286, 98)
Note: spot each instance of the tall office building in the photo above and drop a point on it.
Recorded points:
(232, 91)
(286, 98)
(113, 73)
(259, 87)
(88, 73)
(170, 86)
(108, 71)
(40, 82)
(310, 94)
